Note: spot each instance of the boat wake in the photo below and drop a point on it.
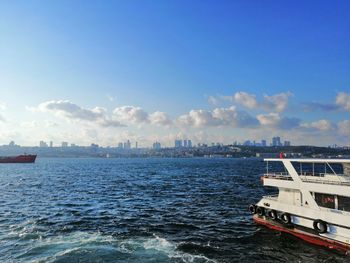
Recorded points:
(91, 247)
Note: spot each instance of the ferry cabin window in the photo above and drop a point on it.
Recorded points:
(325, 200)
(343, 203)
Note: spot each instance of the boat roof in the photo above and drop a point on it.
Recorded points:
(311, 160)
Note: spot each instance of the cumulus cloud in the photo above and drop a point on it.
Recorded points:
(218, 117)
(343, 100)
(344, 127)
(278, 102)
(131, 114)
(277, 121)
(98, 115)
(275, 103)
(160, 118)
(246, 99)
(2, 106)
(69, 110)
(322, 125)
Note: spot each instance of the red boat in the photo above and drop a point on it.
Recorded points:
(24, 158)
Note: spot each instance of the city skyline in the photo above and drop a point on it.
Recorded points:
(178, 143)
(227, 72)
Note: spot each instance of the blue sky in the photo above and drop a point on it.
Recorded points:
(62, 59)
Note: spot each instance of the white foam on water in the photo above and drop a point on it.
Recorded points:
(58, 248)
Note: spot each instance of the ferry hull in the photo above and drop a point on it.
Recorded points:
(308, 237)
(18, 159)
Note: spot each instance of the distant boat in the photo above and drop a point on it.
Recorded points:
(24, 158)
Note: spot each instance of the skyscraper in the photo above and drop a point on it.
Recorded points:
(189, 143)
(178, 143)
(276, 141)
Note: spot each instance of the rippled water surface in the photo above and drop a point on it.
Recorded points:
(140, 210)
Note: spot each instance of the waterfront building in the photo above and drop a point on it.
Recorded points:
(127, 145)
(42, 144)
(276, 141)
(64, 144)
(178, 143)
(156, 145)
(286, 143)
(185, 143)
(189, 143)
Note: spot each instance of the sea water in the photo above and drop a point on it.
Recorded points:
(140, 210)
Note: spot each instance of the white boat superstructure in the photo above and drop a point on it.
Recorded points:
(313, 201)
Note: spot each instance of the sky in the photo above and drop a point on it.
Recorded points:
(210, 71)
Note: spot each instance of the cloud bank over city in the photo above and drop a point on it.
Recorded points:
(246, 117)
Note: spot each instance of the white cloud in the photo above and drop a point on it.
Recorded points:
(344, 127)
(278, 102)
(343, 100)
(218, 117)
(29, 124)
(130, 114)
(69, 110)
(246, 99)
(322, 125)
(198, 118)
(160, 118)
(275, 103)
(277, 121)
(3, 106)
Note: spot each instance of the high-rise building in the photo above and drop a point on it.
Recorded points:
(51, 144)
(185, 143)
(127, 145)
(247, 143)
(120, 145)
(189, 143)
(276, 141)
(263, 143)
(156, 145)
(12, 144)
(136, 145)
(178, 143)
(42, 144)
(64, 144)
(286, 143)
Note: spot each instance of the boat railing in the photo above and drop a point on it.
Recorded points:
(271, 197)
(280, 176)
(322, 181)
(313, 178)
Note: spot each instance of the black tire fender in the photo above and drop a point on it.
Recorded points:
(252, 209)
(272, 214)
(320, 226)
(286, 219)
(260, 211)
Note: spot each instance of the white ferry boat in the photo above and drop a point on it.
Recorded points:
(311, 204)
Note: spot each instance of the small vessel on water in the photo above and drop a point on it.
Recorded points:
(313, 202)
(24, 158)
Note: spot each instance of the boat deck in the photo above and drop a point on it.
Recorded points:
(319, 178)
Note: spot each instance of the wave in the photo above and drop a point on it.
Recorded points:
(94, 247)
